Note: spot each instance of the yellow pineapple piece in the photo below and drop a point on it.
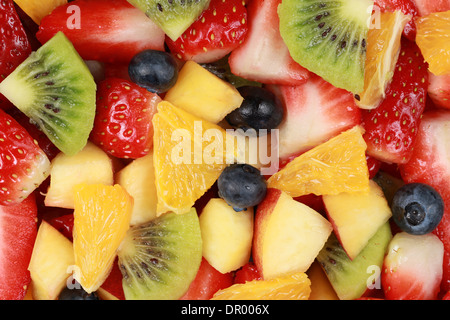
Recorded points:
(36, 10)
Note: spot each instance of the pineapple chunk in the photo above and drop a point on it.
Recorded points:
(90, 166)
(203, 94)
(50, 263)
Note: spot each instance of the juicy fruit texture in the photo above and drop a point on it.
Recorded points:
(51, 263)
(412, 268)
(383, 48)
(295, 286)
(425, 7)
(183, 171)
(56, 90)
(173, 17)
(123, 122)
(217, 31)
(321, 288)
(328, 38)
(439, 90)
(23, 165)
(203, 94)
(263, 56)
(101, 219)
(110, 31)
(434, 41)
(17, 236)
(38, 10)
(335, 166)
(351, 278)
(159, 259)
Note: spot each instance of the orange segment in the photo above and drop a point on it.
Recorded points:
(296, 286)
(383, 48)
(39, 9)
(338, 165)
(101, 218)
(433, 39)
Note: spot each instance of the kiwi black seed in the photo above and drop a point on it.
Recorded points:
(160, 258)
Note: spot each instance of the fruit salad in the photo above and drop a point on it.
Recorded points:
(225, 150)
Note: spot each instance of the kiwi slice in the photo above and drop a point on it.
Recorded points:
(56, 90)
(160, 258)
(173, 16)
(351, 278)
(328, 37)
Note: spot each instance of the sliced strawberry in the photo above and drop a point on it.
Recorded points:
(439, 90)
(23, 165)
(408, 7)
(315, 112)
(18, 229)
(263, 56)
(217, 31)
(391, 129)
(103, 30)
(412, 268)
(123, 123)
(425, 7)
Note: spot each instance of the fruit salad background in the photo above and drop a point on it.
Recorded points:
(92, 205)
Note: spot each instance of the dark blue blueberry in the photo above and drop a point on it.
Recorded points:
(242, 186)
(157, 71)
(261, 109)
(417, 208)
(77, 293)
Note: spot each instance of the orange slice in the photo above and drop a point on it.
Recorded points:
(296, 286)
(338, 165)
(383, 48)
(189, 156)
(101, 218)
(433, 39)
(36, 10)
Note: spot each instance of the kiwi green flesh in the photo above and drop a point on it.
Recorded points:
(56, 90)
(328, 37)
(351, 278)
(174, 16)
(159, 259)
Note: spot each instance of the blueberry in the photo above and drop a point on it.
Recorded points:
(157, 71)
(77, 293)
(261, 109)
(242, 186)
(417, 208)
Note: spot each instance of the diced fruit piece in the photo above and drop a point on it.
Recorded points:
(227, 235)
(173, 17)
(433, 40)
(383, 48)
(357, 216)
(203, 94)
(112, 286)
(321, 288)
(64, 224)
(38, 10)
(77, 293)
(160, 258)
(314, 112)
(439, 90)
(51, 263)
(412, 268)
(351, 278)
(91, 166)
(389, 184)
(391, 128)
(335, 166)
(17, 237)
(184, 171)
(138, 179)
(123, 122)
(328, 38)
(101, 219)
(23, 165)
(426, 7)
(217, 31)
(56, 90)
(248, 272)
(263, 56)
(289, 287)
(111, 31)
(288, 235)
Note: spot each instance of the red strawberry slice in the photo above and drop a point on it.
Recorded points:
(425, 7)
(407, 7)
(23, 165)
(18, 229)
(264, 56)
(391, 129)
(439, 90)
(217, 31)
(412, 268)
(123, 123)
(103, 30)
